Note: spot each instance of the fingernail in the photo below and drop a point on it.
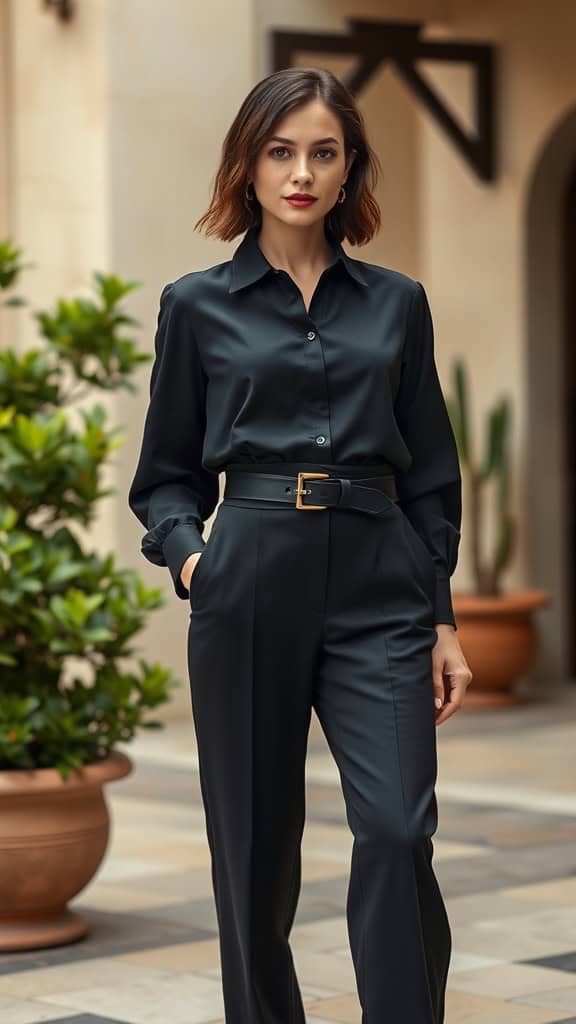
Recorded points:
(438, 702)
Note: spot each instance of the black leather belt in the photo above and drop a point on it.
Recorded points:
(307, 491)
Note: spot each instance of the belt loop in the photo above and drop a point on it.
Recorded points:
(345, 491)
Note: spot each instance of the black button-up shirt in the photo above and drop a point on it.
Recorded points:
(244, 373)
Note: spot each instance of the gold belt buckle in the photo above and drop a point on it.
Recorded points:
(300, 490)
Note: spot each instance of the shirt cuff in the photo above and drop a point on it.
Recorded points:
(444, 611)
(183, 540)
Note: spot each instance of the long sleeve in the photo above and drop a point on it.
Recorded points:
(430, 490)
(172, 494)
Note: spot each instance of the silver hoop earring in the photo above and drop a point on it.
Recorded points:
(249, 198)
(343, 191)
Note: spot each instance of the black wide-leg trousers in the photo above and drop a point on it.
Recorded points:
(333, 610)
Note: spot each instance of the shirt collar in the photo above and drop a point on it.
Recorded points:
(249, 263)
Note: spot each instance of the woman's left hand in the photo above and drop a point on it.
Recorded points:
(451, 673)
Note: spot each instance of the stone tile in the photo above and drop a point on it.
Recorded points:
(325, 891)
(66, 977)
(556, 890)
(312, 993)
(466, 1008)
(559, 999)
(507, 981)
(179, 999)
(561, 962)
(111, 934)
(469, 961)
(320, 936)
(187, 818)
(522, 937)
(485, 905)
(174, 783)
(316, 1020)
(319, 868)
(28, 1011)
(86, 1018)
(446, 849)
(186, 957)
(199, 913)
(504, 869)
(167, 853)
(532, 834)
(167, 889)
(345, 1009)
(328, 842)
(557, 923)
(333, 972)
(123, 869)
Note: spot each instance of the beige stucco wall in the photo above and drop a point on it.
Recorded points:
(5, 132)
(173, 87)
(474, 259)
(4, 114)
(58, 144)
(55, 165)
(115, 127)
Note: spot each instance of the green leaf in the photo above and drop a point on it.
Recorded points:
(63, 606)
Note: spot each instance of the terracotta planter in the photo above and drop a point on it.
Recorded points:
(53, 836)
(499, 638)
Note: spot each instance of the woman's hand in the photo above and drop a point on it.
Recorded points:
(448, 661)
(188, 568)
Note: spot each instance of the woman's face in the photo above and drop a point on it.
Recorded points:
(304, 153)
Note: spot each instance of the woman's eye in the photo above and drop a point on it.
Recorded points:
(283, 149)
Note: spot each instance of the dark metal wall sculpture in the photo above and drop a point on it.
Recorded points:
(63, 8)
(400, 43)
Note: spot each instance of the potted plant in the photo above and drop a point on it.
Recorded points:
(497, 629)
(68, 615)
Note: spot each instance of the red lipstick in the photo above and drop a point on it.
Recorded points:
(300, 199)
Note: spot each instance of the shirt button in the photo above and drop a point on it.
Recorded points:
(320, 439)
(311, 335)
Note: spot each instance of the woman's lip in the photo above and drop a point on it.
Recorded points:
(296, 201)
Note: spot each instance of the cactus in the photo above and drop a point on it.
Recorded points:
(479, 476)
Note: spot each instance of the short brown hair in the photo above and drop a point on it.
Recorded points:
(229, 213)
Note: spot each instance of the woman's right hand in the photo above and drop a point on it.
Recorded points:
(188, 568)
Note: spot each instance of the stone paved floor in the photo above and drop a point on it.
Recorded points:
(505, 856)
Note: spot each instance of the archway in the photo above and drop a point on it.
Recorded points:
(550, 275)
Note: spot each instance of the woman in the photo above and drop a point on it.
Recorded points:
(329, 591)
